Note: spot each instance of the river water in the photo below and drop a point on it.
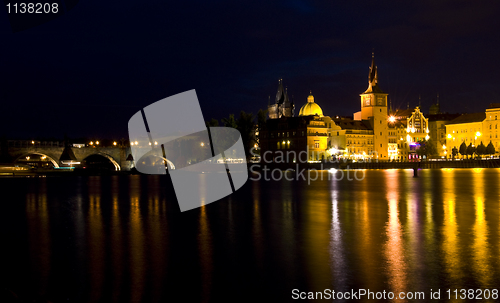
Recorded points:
(123, 238)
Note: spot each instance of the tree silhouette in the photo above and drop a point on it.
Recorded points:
(229, 122)
(470, 150)
(490, 149)
(246, 126)
(454, 152)
(481, 149)
(463, 149)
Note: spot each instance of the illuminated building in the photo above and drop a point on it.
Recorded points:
(374, 109)
(437, 130)
(282, 106)
(474, 129)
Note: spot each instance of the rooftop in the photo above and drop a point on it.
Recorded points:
(469, 118)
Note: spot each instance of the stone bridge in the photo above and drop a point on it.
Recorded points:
(116, 155)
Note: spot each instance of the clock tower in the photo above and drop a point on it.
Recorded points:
(374, 109)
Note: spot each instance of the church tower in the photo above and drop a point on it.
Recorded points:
(374, 109)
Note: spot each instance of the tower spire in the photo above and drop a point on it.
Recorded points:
(373, 78)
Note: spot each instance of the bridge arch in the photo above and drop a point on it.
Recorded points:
(151, 157)
(54, 162)
(110, 158)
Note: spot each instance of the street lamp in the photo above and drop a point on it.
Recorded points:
(114, 143)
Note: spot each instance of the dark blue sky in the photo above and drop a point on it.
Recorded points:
(87, 72)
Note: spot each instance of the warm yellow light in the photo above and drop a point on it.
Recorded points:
(478, 134)
(427, 130)
(427, 137)
(392, 119)
(444, 146)
(131, 143)
(32, 142)
(255, 145)
(156, 143)
(91, 143)
(136, 143)
(114, 143)
(408, 138)
(43, 157)
(28, 157)
(283, 142)
(449, 136)
(97, 142)
(288, 142)
(202, 144)
(149, 143)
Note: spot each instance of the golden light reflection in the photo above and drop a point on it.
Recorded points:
(95, 239)
(136, 232)
(317, 216)
(117, 241)
(394, 249)
(337, 251)
(480, 247)
(450, 230)
(158, 238)
(37, 213)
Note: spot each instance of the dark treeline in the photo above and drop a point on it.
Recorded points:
(247, 124)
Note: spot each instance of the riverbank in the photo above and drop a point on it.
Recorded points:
(483, 163)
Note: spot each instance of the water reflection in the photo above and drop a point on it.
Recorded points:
(117, 241)
(337, 252)
(206, 254)
(95, 240)
(451, 259)
(394, 248)
(137, 241)
(158, 238)
(479, 246)
(37, 213)
(112, 240)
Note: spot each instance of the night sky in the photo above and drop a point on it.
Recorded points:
(87, 72)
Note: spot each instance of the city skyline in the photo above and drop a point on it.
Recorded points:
(86, 72)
